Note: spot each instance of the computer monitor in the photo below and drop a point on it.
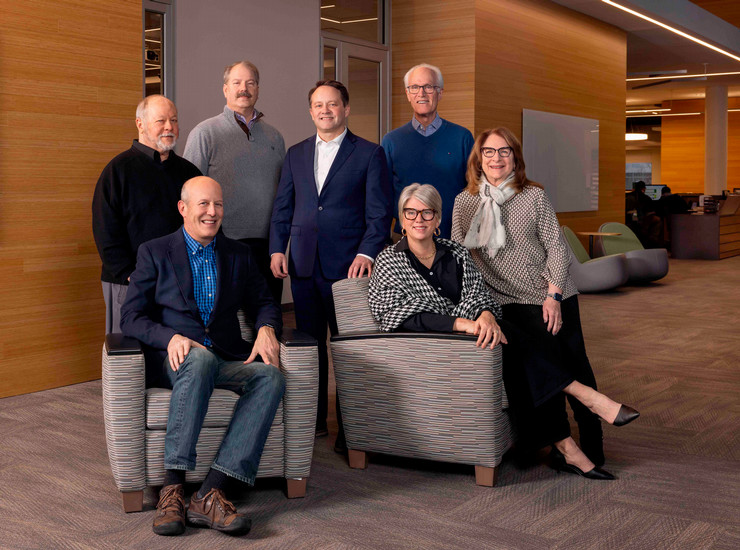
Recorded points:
(653, 191)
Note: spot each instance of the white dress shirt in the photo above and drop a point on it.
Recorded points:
(326, 152)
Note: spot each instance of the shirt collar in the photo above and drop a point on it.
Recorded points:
(436, 123)
(403, 245)
(193, 245)
(255, 114)
(149, 152)
(338, 140)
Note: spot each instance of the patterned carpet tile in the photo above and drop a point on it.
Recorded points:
(669, 349)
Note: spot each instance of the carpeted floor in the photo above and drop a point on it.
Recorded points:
(671, 349)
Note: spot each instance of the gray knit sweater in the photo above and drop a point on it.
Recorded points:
(248, 169)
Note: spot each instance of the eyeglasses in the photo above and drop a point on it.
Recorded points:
(490, 152)
(426, 215)
(428, 88)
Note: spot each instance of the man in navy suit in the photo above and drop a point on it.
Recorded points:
(334, 204)
(182, 305)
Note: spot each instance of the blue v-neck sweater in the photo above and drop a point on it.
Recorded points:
(440, 159)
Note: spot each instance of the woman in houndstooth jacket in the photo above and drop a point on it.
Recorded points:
(511, 229)
(424, 283)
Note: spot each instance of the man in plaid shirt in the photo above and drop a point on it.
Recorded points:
(182, 305)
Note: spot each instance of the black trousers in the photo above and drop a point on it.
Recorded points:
(314, 310)
(537, 366)
(260, 251)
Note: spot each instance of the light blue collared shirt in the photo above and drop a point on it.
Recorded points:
(250, 122)
(429, 130)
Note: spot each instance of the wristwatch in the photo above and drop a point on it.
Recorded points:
(555, 296)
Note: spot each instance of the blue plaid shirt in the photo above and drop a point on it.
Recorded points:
(205, 275)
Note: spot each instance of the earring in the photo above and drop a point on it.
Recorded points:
(403, 232)
(437, 232)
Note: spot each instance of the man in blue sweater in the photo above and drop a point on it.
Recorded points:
(428, 149)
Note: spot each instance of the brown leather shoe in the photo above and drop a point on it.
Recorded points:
(214, 511)
(170, 516)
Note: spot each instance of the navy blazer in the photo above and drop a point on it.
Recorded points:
(160, 301)
(351, 216)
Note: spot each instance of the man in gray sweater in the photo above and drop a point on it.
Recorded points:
(245, 154)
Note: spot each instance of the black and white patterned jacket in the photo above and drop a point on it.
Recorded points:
(397, 291)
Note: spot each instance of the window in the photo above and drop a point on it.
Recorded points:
(361, 19)
(157, 47)
(354, 51)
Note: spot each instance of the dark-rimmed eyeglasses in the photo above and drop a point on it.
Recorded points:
(428, 88)
(412, 213)
(490, 152)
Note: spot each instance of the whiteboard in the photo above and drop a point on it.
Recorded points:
(561, 152)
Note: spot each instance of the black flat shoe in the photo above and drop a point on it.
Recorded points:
(625, 415)
(340, 445)
(557, 461)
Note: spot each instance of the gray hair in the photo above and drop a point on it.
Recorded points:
(437, 74)
(143, 106)
(248, 64)
(422, 192)
(185, 191)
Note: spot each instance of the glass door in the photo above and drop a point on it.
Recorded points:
(364, 70)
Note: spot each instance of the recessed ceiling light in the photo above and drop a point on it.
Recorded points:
(637, 111)
(672, 29)
(664, 114)
(674, 77)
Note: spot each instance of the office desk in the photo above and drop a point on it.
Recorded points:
(705, 236)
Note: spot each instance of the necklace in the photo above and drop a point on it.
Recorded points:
(430, 255)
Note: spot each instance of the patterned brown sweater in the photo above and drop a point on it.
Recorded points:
(534, 255)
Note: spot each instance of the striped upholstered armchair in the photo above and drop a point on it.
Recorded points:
(136, 419)
(421, 395)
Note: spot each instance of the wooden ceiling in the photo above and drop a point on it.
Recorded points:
(729, 10)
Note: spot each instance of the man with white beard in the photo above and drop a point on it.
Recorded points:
(135, 199)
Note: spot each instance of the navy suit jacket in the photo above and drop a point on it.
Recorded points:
(160, 301)
(351, 216)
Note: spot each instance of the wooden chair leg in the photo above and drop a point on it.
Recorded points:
(296, 488)
(133, 501)
(486, 476)
(357, 459)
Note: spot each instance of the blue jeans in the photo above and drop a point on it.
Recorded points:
(260, 388)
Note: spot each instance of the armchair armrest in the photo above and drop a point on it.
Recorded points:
(124, 395)
(496, 364)
(450, 336)
(299, 363)
(118, 344)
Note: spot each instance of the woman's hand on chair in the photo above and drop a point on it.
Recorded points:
(485, 327)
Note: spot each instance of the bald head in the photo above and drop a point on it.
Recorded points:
(202, 208)
(156, 120)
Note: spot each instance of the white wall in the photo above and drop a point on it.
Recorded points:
(281, 37)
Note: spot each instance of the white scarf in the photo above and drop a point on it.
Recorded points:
(486, 230)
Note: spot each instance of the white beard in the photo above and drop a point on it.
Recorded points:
(162, 146)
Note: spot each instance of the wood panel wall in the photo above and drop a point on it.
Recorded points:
(533, 54)
(501, 56)
(729, 10)
(70, 78)
(442, 33)
(682, 147)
